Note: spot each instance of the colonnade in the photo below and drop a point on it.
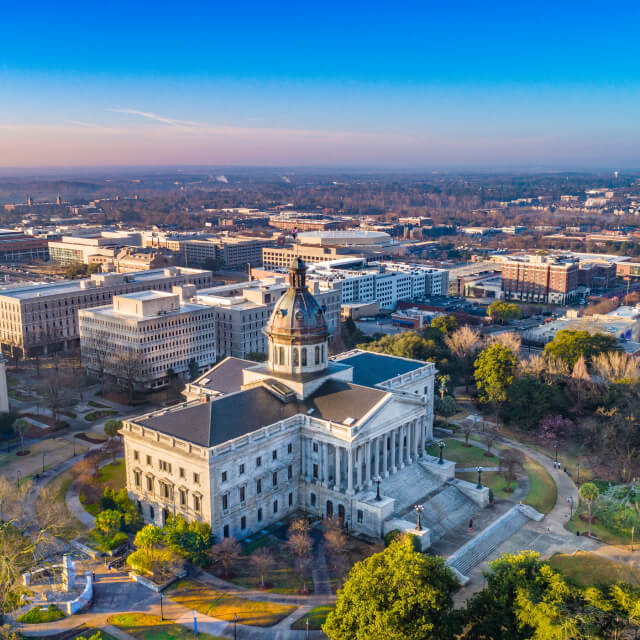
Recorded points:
(353, 468)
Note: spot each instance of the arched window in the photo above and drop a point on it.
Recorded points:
(317, 354)
(281, 349)
(295, 357)
(304, 356)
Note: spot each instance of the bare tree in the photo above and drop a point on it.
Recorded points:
(490, 437)
(534, 366)
(225, 553)
(616, 366)
(335, 544)
(128, 367)
(511, 340)
(21, 426)
(263, 561)
(300, 544)
(464, 344)
(57, 393)
(510, 461)
(467, 429)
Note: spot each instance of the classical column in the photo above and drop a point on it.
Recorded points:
(385, 462)
(416, 431)
(358, 456)
(325, 464)
(350, 471)
(368, 474)
(309, 454)
(338, 484)
(401, 445)
(394, 454)
(376, 456)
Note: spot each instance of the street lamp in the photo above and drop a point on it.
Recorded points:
(307, 625)
(570, 501)
(479, 470)
(419, 509)
(161, 608)
(442, 445)
(578, 478)
(378, 480)
(235, 624)
(555, 444)
(43, 462)
(633, 531)
(19, 474)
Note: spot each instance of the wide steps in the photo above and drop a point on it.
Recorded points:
(487, 541)
(446, 510)
(409, 486)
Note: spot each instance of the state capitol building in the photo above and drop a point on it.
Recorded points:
(254, 443)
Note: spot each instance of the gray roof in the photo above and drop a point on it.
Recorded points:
(212, 423)
(226, 376)
(371, 368)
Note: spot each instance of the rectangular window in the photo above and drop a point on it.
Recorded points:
(242, 492)
(225, 531)
(260, 515)
(289, 448)
(290, 472)
(149, 460)
(183, 498)
(181, 472)
(243, 522)
(360, 516)
(196, 478)
(274, 454)
(136, 456)
(258, 486)
(241, 469)
(290, 499)
(274, 478)
(224, 476)
(315, 470)
(196, 503)
(258, 461)
(225, 501)
(136, 476)
(275, 506)
(315, 447)
(149, 483)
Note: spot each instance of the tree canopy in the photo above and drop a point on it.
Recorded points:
(495, 369)
(569, 345)
(503, 311)
(398, 594)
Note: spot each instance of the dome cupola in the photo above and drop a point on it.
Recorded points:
(297, 329)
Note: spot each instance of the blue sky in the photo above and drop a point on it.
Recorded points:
(405, 84)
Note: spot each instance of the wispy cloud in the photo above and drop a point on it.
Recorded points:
(154, 116)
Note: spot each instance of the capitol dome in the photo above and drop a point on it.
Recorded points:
(297, 329)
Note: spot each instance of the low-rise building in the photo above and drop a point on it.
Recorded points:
(38, 318)
(142, 338)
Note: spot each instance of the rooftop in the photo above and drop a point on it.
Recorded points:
(226, 376)
(209, 424)
(371, 368)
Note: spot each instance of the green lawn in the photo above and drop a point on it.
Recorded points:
(283, 578)
(87, 632)
(316, 617)
(464, 456)
(492, 479)
(587, 569)
(597, 529)
(112, 475)
(61, 485)
(39, 615)
(144, 626)
(196, 595)
(543, 492)
(98, 414)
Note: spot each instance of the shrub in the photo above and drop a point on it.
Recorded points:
(391, 536)
(39, 615)
(445, 406)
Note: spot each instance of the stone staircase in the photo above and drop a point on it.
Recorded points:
(448, 509)
(487, 541)
(409, 486)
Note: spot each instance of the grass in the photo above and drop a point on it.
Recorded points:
(97, 415)
(492, 479)
(196, 595)
(61, 485)
(97, 405)
(87, 632)
(543, 492)
(316, 617)
(464, 456)
(597, 529)
(112, 475)
(144, 626)
(283, 578)
(40, 615)
(585, 569)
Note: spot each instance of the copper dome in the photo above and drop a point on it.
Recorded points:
(297, 316)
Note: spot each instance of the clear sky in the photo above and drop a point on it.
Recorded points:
(445, 84)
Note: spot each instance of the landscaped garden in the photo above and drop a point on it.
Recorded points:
(112, 475)
(586, 569)
(463, 455)
(492, 479)
(98, 414)
(40, 615)
(144, 626)
(543, 492)
(203, 598)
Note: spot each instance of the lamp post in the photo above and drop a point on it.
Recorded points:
(307, 625)
(419, 509)
(43, 462)
(378, 480)
(19, 474)
(570, 501)
(442, 445)
(555, 445)
(479, 470)
(235, 625)
(578, 478)
(161, 608)
(633, 531)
